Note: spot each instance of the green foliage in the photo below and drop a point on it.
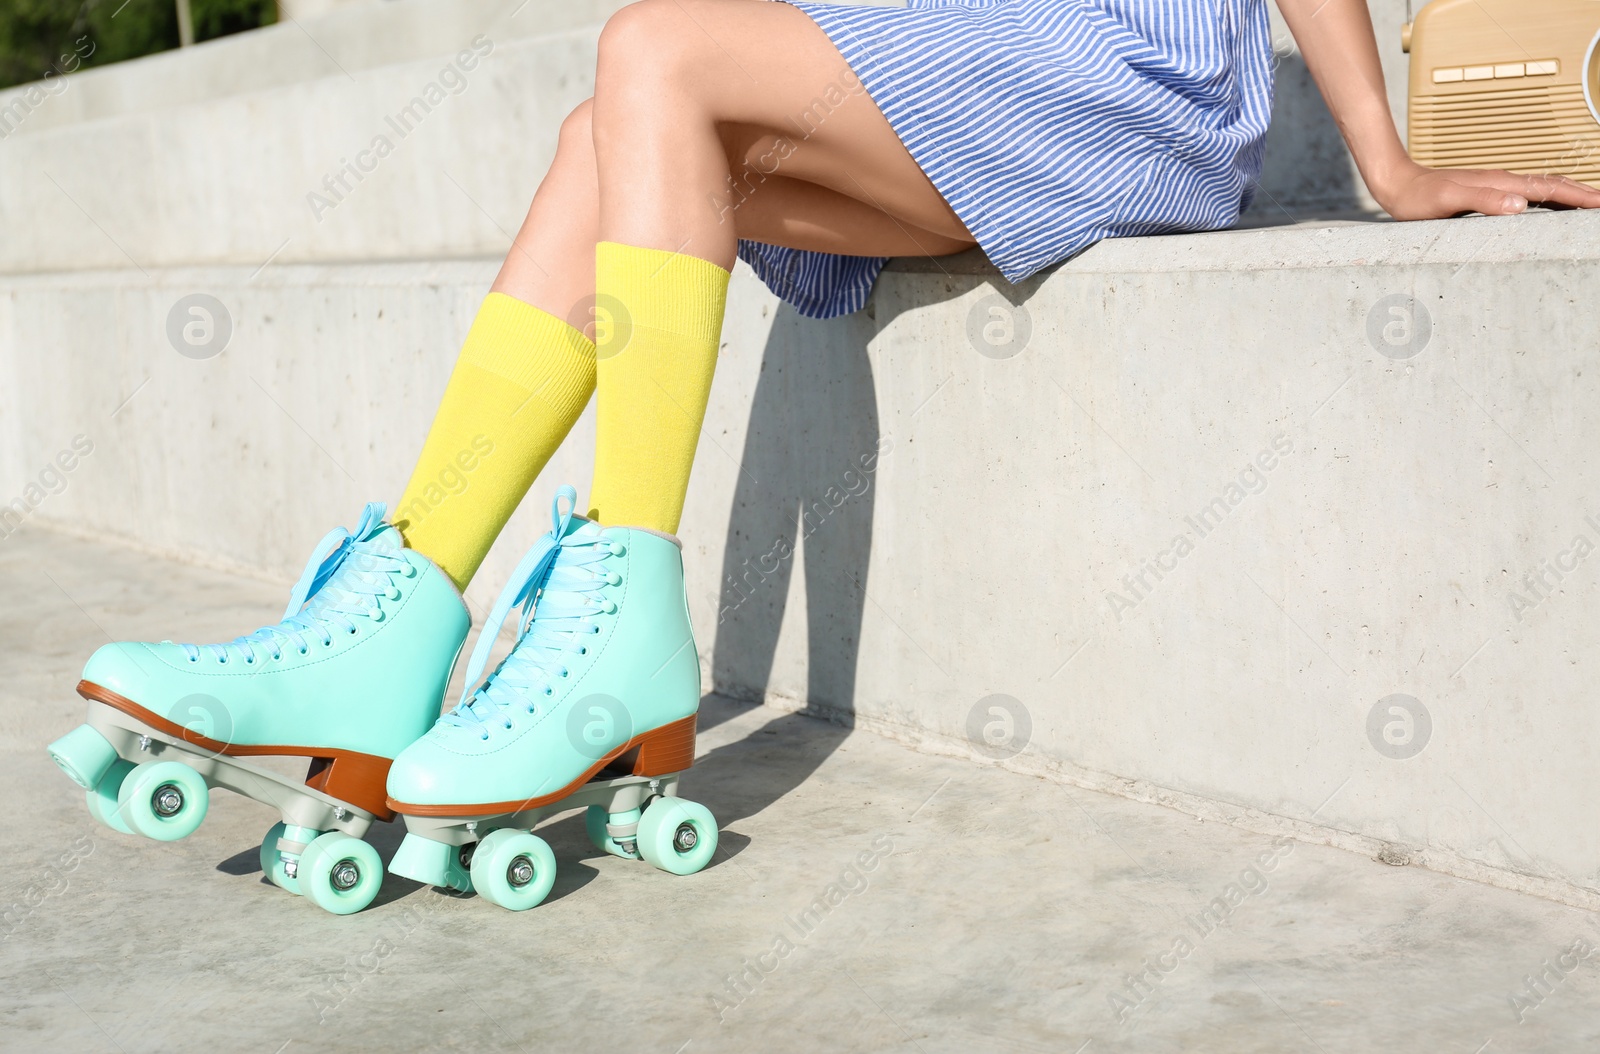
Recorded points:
(218, 18)
(38, 36)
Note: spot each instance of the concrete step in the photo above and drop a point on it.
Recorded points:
(1288, 528)
(346, 43)
(387, 164)
(924, 904)
(365, 135)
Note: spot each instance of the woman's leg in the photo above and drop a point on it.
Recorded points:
(524, 376)
(801, 157)
(678, 83)
(680, 80)
(551, 262)
(768, 195)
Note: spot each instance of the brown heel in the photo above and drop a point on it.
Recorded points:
(668, 749)
(359, 779)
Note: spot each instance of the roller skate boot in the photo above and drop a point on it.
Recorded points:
(595, 706)
(354, 673)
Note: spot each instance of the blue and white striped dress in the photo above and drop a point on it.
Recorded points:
(1050, 124)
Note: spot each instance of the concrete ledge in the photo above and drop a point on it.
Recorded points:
(310, 143)
(339, 44)
(958, 514)
(386, 165)
(1349, 242)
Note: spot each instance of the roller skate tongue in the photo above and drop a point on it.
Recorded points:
(557, 587)
(388, 538)
(335, 549)
(346, 578)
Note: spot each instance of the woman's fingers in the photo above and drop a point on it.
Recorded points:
(1561, 190)
(1488, 199)
(1437, 193)
(1554, 189)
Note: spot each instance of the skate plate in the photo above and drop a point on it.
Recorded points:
(498, 855)
(615, 794)
(299, 805)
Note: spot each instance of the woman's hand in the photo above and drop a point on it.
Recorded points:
(1335, 38)
(1415, 192)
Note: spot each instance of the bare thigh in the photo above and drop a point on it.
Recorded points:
(694, 97)
(716, 120)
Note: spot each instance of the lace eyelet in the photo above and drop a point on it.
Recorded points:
(251, 661)
(583, 651)
(409, 572)
(305, 651)
(222, 660)
(352, 631)
(328, 643)
(195, 659)
(549, 691)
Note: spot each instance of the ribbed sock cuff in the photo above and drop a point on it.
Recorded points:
(503, 339)
(666, 291)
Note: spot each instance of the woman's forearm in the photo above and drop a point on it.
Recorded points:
(1336, 39)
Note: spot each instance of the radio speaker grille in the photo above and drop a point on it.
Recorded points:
(1544, 130)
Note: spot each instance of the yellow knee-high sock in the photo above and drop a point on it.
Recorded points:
(522, 379)
(660, 323)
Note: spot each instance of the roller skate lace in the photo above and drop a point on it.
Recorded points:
(349, 573)
(558, 588)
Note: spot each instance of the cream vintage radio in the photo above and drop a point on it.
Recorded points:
(1506, 84)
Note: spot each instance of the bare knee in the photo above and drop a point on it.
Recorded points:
(576, 138)
(646, 56)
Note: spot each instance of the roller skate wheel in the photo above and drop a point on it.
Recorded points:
(84, 755)
(677, 836)
(164, 800)
(514, 869)
(340, 873)
(272, 862)
(102, 799)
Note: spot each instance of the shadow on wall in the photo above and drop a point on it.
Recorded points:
(1308, 171)
(806, 484)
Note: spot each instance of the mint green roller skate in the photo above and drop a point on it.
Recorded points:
(353, 674)
(595, 706)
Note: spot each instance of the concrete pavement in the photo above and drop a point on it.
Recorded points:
(867, 897)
